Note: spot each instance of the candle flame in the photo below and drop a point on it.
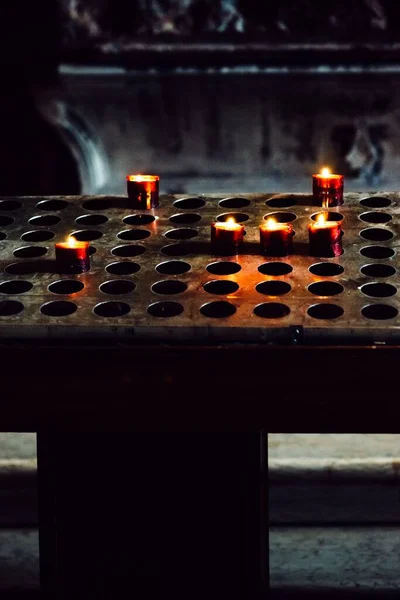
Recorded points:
(271, 223)
(230, 223)
(71, 242)
(325, 172)
(321, 219)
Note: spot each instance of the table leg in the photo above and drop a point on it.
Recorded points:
(160, 515)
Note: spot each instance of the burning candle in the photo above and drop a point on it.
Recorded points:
(327, 189)
(226, 237)
(325, 237)
(143, 191)
(72, 256)
(276, 238)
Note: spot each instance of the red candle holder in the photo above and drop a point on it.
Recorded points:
(72, 256)
(276, 239)
(143, 191)
(226, 237)
(325, 237)
(327, 189)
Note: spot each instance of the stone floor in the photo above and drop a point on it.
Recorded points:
(334, 509)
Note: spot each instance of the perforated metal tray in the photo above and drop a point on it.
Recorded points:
(153, 276)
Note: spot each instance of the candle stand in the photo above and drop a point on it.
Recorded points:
(149, 377)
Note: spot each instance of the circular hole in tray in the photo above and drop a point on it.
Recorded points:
(87, 235)
(185, 233)
(122, 267)
(23, 268)
(379, 312)
(52, 204)
(325, 311)
(10, 204)
(92, 250)
(275, 268)
(165, 309)
(2, 236)
(134, 234)
(326, 269)
(188, 203)
(139, 219)
(219, 309)
(128, 250)
(30, 251)
(237, 216)
(40, 235)
(234, 202)
(173, 267)
(325, 288)
(281, 217)
(10, 307)
(58, 308)
(375, 202)
(378, 290)
(271, 310)
(117, 286)
(169, 287)
(15, 287)
(45, 220)
(376, 234)
(375, 217)
(377, 252)
(282, 202)
(177, 250)
(90, 220)
(378, 270)
(331, 216)
(223, 268)
(185, 218)
(5, 220)
(273, 288)
(221, 286)
(111, 309)
(66, 286)
(97, 204)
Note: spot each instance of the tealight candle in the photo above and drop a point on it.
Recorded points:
(142, 191)
(327, 189)
(226, 237)
(325, 237)
(276, 239)
(72, 256)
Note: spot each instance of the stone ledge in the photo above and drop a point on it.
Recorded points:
(339, 558)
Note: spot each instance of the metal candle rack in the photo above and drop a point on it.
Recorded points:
(153, 276)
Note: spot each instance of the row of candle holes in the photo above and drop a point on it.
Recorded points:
(220, 287)
(219, 309)
(179, 249)
(186, 203)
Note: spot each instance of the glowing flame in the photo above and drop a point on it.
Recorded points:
(272, 223)
(230, 223)
(321, 219)
(71, 242)
(325, 172)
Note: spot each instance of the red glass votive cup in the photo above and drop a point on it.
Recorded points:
(226, 238)
(328, 190)
(276, 240)
(143, 191)
(325, 240)
(72, 257)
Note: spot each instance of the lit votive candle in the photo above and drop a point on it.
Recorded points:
(72, 256)
(276, 239)
(226, 237)
(143, 191)
(327, 189)
(325, 237)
